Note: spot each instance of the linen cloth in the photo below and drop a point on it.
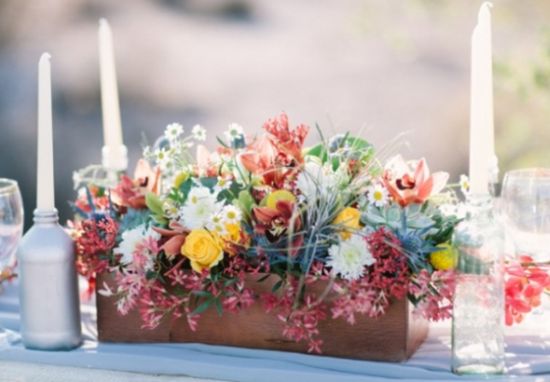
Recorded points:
(528, 356)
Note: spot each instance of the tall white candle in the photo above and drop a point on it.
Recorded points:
(112, 131)
(482, 149)
(45, 188)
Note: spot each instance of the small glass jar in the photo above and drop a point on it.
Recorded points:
(478, 306)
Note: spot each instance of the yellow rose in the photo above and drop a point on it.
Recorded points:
(348, 220)
(203, 249)
(445, 258)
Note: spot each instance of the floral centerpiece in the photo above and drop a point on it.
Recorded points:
(185, 232)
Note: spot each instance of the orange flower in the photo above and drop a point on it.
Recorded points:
(411, 182)
(258, 156)
(131, 192)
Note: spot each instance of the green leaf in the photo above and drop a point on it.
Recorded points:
(318, 151)
(208, 181)
(229, 282)
(185, 187)
(277, 285)
(245, 201)
(154, 203)
(201, 293)
(202, 307)
(264, 277)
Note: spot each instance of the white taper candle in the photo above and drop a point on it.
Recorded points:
(45, 199)
(112, 131)
(482, 147)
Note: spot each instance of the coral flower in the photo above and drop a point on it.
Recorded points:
(289, 142)
(411, 182)
(131, 192)
(525, 283)
(175, 238)
(258, 156)
(274, 222)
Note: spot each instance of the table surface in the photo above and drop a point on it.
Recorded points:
(528, 358)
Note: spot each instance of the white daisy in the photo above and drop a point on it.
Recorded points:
(130, 239)
(173, 131)
(349, 258)
(223, 183)
(199, 133)
(231, 214)
(200, 205)
(464, 184)
(170, 209)
(217, 224)
(378, 195)
(234, 131)
(161, 156)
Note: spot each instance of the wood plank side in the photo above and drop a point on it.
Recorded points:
(393, 337)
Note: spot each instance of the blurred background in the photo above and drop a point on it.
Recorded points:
(373, 66)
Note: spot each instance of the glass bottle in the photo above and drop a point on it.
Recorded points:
(478, 311)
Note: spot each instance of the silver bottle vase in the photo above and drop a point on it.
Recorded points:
(48, 289)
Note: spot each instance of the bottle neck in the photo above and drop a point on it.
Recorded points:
(480, 206)
(45, 216)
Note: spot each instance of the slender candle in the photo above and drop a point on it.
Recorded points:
(482, 149)
(45, 186)
(112, 131)
(114, 153)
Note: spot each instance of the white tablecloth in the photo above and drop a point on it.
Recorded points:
(528, 356)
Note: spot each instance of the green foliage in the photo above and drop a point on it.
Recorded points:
(133, 218)
(154, 203)
(245, 202)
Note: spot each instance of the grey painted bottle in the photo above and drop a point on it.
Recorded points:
(48, 290)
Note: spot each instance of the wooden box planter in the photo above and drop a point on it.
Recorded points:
(393, 337)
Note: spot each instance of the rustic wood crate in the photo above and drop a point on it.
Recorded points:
(393, 337)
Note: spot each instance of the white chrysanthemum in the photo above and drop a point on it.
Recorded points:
(464, 184)
(171, 209)
(378, 195)
(349, 258)
(234, 131)
(231, 214)
(130, 239)
(201, 204)
(223, 183)
(217, 225)
(315, 180)
(199, 133)
(173, 131)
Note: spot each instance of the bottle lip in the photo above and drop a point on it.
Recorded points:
(45, 216)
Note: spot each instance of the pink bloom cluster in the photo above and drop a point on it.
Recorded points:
(387, 278)
(433, 293)
(525, 283)
(93, 238)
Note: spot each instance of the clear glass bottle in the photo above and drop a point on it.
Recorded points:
(478, 312)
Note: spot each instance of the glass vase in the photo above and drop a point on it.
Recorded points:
(478, 311)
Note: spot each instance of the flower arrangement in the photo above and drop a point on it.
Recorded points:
(183, 234)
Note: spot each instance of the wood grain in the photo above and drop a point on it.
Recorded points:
(393, 337)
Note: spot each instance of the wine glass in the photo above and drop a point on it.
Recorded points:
(11, 229)
(525, 205)
(526, 209)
